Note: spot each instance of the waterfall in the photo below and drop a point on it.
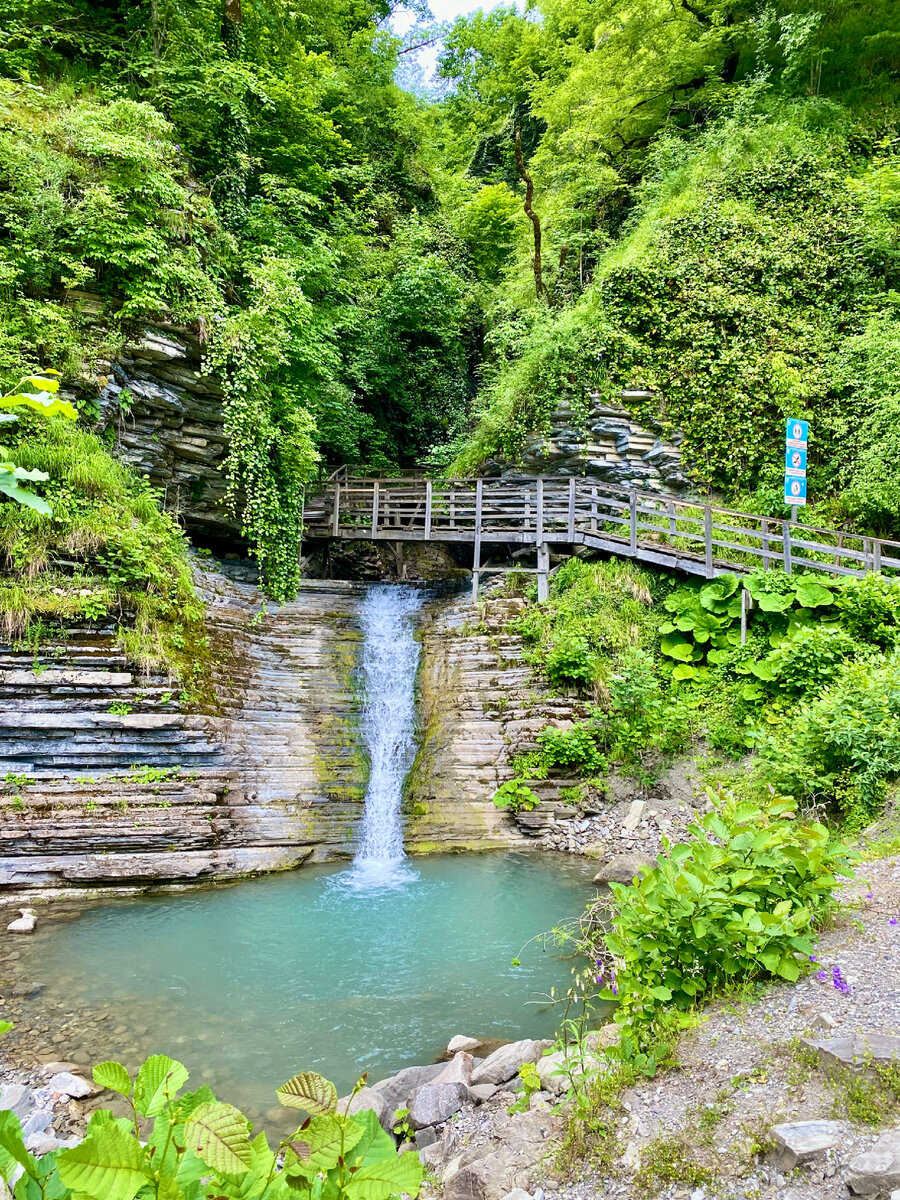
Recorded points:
(390, 658)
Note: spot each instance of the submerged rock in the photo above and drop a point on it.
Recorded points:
(23, 924)
(624, 867)
(461, 1042)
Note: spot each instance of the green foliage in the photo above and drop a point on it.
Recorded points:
(741, 898)
(574, 748)
(191, 1143)
(516, 795)
(841, 746)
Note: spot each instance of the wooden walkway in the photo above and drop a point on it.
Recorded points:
(679, 535)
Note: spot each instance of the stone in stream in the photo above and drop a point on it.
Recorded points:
(878, 1169)
(800, 1142)
(23, 924)
(635, 813)
(435, 1103)
(505, 1062)
(426, 1137)
(461, 1042)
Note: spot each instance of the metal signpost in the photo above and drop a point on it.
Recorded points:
(796, 438)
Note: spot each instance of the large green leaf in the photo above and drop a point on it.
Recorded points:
(324, 1140)
(773, 602)
(309, 1091)
(10, 486)
(379, 1180)
(108, 1165)
(219, 1135)
(43, 401)
(813, 595)
(676, 647)
(684, 671)
(158, 1081)
(374, 1144)
(12, 1146)
(715, 595)
(113, 1075)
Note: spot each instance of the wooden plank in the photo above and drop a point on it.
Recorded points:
(539, 512)
(707, 540)
(336, 515)
(375, 508)
(632, 521)
(572, 508)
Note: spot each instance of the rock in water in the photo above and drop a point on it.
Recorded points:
(398, 1089)
(877, 1170)
(505, 1062)
(800, 1142)
(23, 924)
(461, 1042)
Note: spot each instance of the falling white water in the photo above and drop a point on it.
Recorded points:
(390, 659)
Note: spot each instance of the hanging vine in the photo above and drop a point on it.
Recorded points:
(270, 430)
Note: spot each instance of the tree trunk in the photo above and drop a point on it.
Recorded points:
(535, 220)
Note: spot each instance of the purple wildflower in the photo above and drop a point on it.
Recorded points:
(839, 981)
(869, 895)
(812, 958)
(892, 921)
(821, 976)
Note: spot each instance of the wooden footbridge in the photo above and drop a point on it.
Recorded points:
(680, 535)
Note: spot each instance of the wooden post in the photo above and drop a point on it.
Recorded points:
(593, 510)
(876, 554)
(476, 560)
(375, 501)
(452, 507)
(543, 579)
(571, 534)
(336, 516)
(707, 540)
(428, 501)
(539, 512)
(867, 550)
(632, 513)
(764, 534)
(746, 601)
(673, 524)
(786, 546)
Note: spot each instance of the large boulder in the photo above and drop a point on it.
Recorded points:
(623, 868)
(458, 1070)
(367, 1098)
(398, 1089)
(876, 1171)
(504, 1063)
(860, 1053)
(435, 1103)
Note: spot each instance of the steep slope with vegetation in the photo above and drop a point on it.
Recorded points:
(718, 193)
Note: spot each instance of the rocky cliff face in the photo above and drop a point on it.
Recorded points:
(606, 444)
(109, 783)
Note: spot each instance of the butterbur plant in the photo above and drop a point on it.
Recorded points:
(189, 1146)
(741, 898)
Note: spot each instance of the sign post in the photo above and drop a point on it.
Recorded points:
(795, 446)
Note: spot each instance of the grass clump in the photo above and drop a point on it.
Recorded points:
(872, 1098)
(106, 554)
(668, 1160)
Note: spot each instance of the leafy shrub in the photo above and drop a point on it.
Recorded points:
(842, 746)
(569, 661)
(516, 795)
(575, 747)
(812, 657)
(870, 609)
(193, 1146)
(740, 898)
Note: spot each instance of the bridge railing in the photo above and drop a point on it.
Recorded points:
(705, 538)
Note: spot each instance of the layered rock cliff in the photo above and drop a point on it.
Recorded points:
(110, 783)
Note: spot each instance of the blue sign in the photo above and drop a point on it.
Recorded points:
(797, 433)
(795, 491)
(794, 463)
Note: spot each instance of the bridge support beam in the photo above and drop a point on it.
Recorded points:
(543, 572)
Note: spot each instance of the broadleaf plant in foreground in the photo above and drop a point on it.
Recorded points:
(188, 1146)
